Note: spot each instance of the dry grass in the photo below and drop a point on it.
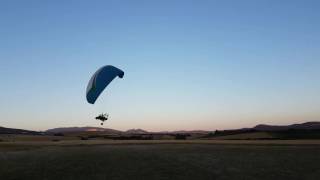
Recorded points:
(178, 160)
(40, 144)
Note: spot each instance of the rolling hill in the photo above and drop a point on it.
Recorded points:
(303, 126)
(83, 129)
(4, 130)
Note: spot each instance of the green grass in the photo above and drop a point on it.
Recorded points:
(160, 161)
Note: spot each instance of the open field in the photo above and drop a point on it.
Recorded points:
(200, 159)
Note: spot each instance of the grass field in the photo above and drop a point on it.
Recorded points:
(160, 160)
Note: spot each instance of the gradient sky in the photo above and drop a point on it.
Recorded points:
(188, 64)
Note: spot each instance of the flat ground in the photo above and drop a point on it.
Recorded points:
(200, 159)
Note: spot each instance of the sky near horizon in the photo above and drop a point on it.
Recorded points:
(188, 64)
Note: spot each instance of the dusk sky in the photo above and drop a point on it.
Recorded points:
(188, 64)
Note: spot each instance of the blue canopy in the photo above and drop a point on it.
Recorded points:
(100, 80)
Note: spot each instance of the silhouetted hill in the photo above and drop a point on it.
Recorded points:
(190, 132)
(136, 131)
(303, 126)
(308, 130)
(4, 130)
(113, 131)
(82, 129)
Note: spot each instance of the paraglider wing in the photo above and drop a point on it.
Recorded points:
(100, 80)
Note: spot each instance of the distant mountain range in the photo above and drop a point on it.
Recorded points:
(82, 129)
(112, 131)
(261, 127)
